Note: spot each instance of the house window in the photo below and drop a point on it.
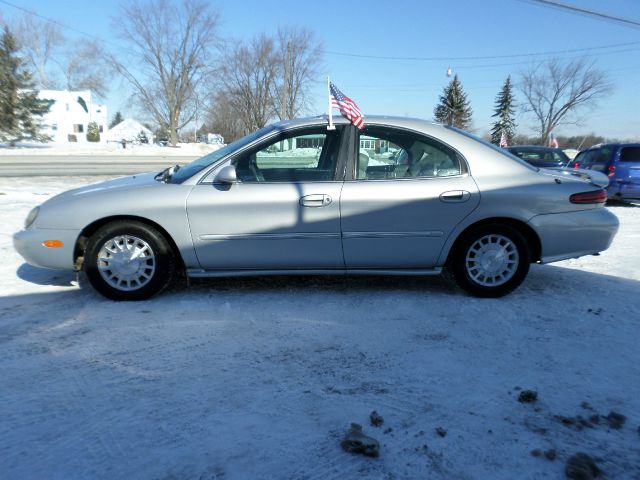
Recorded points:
(100, 128)
(54, 127)
(78, 128)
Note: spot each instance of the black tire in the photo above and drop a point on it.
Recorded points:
(129, 260)
(490, 261)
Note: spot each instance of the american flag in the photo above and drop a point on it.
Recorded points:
(347, 107)
(503, 140)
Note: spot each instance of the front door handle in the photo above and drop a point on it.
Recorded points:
(455, 196)
(315, 200)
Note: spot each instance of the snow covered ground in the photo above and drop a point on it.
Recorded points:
(260, 378)
(106, 148)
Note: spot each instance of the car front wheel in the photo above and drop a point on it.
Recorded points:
(128, 260)
(491, 261)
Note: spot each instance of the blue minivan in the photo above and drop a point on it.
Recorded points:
(620, 162)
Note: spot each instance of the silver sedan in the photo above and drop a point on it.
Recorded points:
(402, 197)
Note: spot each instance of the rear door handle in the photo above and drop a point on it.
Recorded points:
(315, 200)
(455, 196)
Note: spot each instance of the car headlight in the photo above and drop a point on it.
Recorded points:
(31, 217)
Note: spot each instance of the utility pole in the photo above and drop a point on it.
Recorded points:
(285, 88)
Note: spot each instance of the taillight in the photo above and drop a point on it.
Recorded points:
(576, 165)
(595, 196)
(611, 170)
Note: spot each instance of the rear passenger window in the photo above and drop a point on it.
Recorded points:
(630, 154)
(388, 154)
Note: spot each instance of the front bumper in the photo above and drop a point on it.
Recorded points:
(574, 234)
(29, 244)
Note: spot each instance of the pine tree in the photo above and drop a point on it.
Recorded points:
(21, 110)
(93, 132)
(117, 118)
(505, 113)
(454, 108)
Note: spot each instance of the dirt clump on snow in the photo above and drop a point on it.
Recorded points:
(357, 442)
(376, 419)
(528, 396)
(615, 420)
(582, 467)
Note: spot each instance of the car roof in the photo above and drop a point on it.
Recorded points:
(401, 122)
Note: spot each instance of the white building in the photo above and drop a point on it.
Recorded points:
(71, 113)
(129, 131)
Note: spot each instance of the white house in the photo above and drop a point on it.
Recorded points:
(71, 113)
(128, 130)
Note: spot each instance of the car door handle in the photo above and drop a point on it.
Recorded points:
(315, 200)
(455, 196)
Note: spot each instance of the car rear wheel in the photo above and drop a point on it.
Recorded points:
(128, 260)
(491, 261)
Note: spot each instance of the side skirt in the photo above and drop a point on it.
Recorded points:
(199, 273)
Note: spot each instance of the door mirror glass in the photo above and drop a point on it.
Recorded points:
(226, 175)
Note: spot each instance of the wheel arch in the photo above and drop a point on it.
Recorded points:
(81, 242)
(530, 235)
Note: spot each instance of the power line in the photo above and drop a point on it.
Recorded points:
(483, 57)
(587, 12)
(60, 24)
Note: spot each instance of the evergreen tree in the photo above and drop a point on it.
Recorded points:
(93, 132)
(454, 108)
(21, 110)
(142, 138)
(505, 113)
(117, 118)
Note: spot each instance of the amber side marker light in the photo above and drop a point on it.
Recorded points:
(596, 196)
(53, 243)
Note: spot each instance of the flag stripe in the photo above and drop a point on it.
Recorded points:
(347, 107)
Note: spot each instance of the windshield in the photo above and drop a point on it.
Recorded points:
(198, 165)
(492, 146)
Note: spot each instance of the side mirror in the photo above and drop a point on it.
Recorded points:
(226, 175)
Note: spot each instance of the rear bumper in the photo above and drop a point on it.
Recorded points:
(29, 244)
(574, 234)
(623, 191)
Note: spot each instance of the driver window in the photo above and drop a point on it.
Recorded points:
(307, 156)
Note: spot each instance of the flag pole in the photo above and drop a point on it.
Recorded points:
(330, 126)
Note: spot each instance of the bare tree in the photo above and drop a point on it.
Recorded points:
(85, 69)
(169, 52)
(40, 42)
(223, 119)
(299, 58)
(556, 92)
(248, 76)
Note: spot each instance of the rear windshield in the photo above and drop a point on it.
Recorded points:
(630, 154)
(539, 157)
(493, 147)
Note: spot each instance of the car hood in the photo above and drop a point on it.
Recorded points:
(591, 176)
(132, 181)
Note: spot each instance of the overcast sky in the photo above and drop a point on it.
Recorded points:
(437, 34)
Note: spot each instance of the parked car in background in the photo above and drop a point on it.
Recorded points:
(541, 157)
(555, 159)
(402, 197)
(620, 162)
